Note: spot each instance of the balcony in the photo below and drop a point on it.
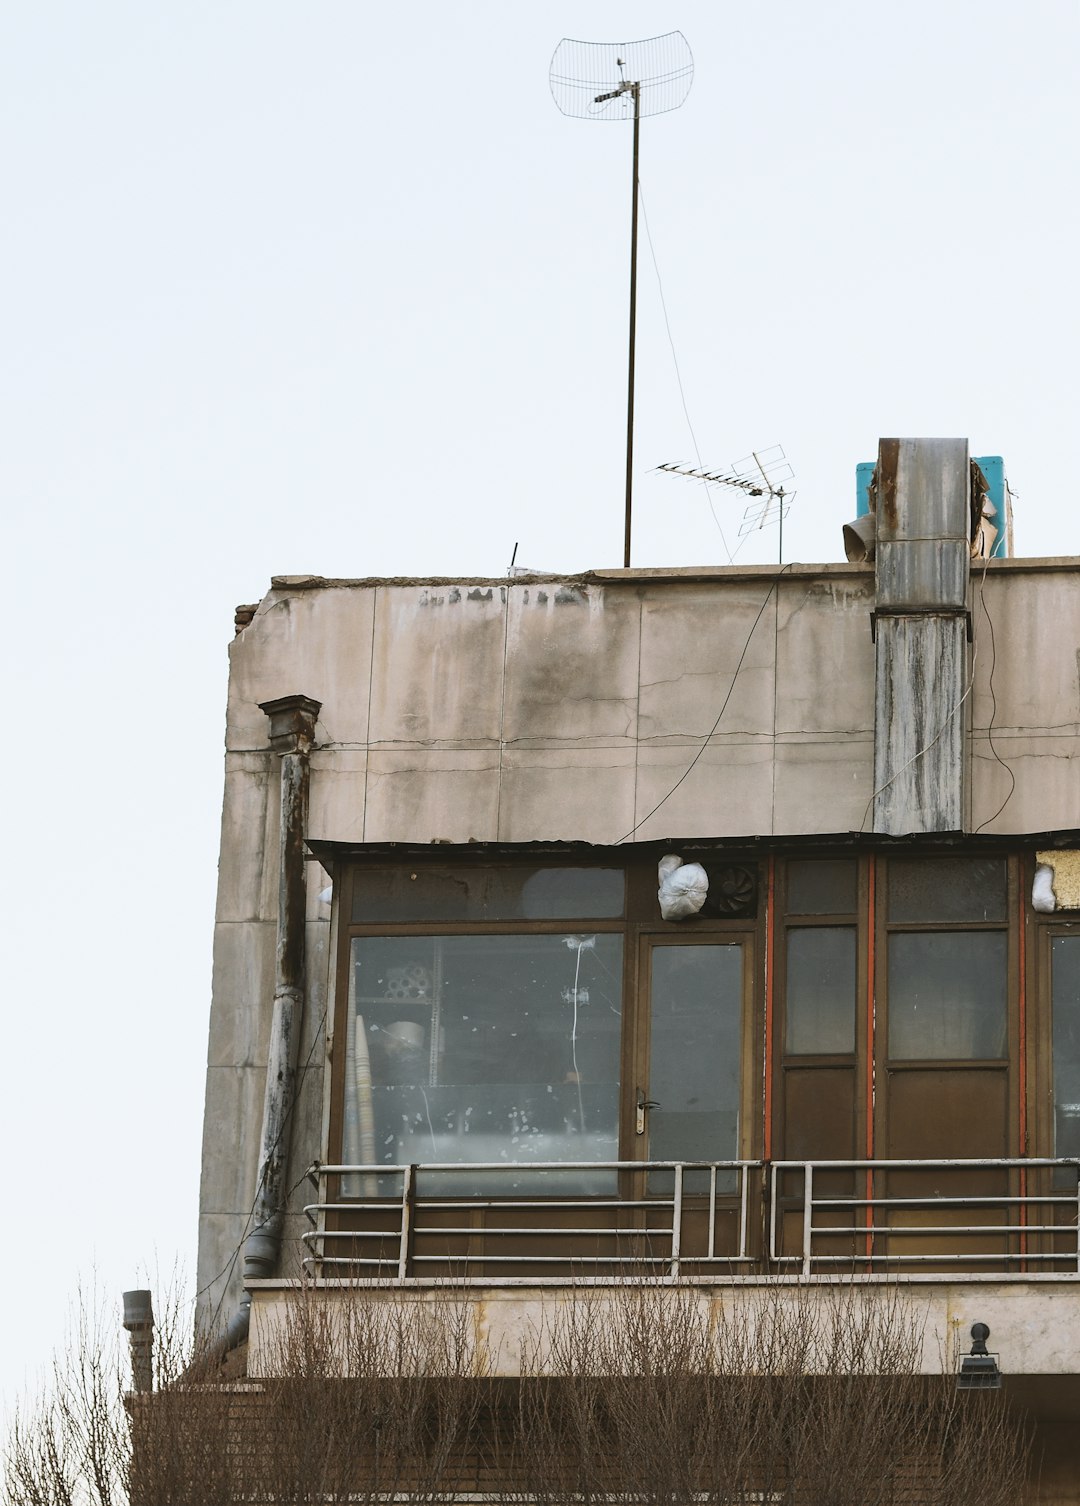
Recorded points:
(553, 1222)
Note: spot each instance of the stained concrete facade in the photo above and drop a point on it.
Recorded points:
(1043, 1338)
(622, 704)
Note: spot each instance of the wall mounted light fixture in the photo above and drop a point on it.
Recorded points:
(979, 1370)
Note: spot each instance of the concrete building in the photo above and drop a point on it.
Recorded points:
(443, 974)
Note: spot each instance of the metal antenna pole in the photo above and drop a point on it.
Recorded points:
(779, 492)
(597, 81)
(636, 91)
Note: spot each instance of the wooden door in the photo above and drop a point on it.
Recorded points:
(818, 1045)
(945, 1043)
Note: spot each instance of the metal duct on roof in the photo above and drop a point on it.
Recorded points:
(923, 506)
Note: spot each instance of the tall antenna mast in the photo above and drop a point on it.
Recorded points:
(621, 81)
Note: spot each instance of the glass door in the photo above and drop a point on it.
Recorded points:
(690, 1107)
(691, 1094)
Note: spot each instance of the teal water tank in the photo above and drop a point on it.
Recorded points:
(992, 467)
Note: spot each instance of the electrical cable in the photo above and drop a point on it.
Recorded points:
(712, 731)
(678, 374)
(230, 1265)
(993, 704)
(938, 735)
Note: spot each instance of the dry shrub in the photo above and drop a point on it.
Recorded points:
(639, 1392)
(809, 1397)
(71, 1445)
(372, 1400)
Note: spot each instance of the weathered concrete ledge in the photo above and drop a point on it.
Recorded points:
(1033, 1334)
(614, 576)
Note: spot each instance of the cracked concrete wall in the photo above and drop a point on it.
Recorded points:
(665, 704)
(1025, 702)
(515, 711)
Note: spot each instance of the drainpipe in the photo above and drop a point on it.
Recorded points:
(923, 494)
(292, 735)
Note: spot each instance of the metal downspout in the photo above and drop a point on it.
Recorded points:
(292, 735)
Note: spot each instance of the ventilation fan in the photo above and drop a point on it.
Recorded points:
(732, 891)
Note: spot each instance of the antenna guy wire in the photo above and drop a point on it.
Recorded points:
(678, 373)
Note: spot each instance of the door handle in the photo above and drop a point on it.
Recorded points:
(643, 1104)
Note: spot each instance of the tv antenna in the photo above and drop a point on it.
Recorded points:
(761, 476)
(623, 81)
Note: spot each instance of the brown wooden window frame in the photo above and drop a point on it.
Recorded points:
(1028, 1060)
(640, 923)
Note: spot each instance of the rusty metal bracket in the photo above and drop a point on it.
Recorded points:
(917, 612)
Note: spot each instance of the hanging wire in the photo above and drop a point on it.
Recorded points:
(712, 730)
(678, 373)
(993, 703)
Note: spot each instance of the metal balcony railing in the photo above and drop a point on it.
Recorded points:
(408, 1220)
(1007, 1216)
(710, 1220)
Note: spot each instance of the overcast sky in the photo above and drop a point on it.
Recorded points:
(334, 287)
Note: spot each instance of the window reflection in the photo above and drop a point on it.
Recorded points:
(947, 995)
(1065, 964)
(486, 893)
(483, 1049)
(820, 1002)
(695, 1055)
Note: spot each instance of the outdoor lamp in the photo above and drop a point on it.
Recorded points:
(979, 1369)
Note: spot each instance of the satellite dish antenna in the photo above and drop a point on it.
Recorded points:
(623, 81)
(760, 476)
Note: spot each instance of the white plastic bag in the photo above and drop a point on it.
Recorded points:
(1043, 897)
(683, 887)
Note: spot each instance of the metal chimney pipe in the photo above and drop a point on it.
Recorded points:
(139, 1322)
(923, 559)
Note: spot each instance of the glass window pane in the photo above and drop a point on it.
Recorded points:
(695, 1053)
(1065, 965)
(821, 888)
(485, 893)
(947, 889)
(947, 995)
(483, 1048)
(820, 997)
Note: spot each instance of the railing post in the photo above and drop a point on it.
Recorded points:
(772, 1177)
(322, 1192)
(744, 1208)
(712, 1212)
(676, 1220)
(406, 1221)
(1076, 1168)
(808, 1214)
